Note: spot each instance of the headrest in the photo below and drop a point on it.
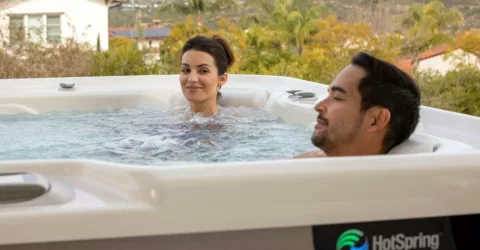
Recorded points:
(422, 143)
(420, 128)
(417, 143)
(449, 146)
(230, 98)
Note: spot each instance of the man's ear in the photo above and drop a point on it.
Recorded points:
(378, 119)
(222, 79)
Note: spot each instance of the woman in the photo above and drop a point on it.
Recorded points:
(204, 71)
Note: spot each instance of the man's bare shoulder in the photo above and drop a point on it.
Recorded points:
(310, 154)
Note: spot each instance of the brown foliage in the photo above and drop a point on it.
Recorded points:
(22, 59)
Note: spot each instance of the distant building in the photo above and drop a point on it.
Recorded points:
(43, 21)
(441, 59)
(151, 38)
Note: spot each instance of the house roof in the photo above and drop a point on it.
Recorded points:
(435, 51)
(406, 63)
(6, 4)
(150, 32)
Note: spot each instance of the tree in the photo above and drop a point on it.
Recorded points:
(332, 47)
(470, 41)
(288, 21)
(171, 48)
(457, 91)
(237, 40)
(120, 42)
(139, 27)
(99, 46)
(197, 7)
(427, 26)
(123, 58)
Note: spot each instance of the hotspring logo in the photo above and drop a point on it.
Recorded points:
(354, 239)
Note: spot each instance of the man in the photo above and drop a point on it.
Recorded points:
(372, 107)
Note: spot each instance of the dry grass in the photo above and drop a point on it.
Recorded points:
(21, 59)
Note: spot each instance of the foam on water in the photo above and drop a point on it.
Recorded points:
(151, 135)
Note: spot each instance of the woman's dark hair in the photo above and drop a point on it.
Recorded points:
(217, 47)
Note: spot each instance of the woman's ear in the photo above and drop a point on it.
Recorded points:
(222, 79)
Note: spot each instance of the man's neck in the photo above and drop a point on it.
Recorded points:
(354, 150)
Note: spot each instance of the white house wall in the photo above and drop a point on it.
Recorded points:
(442, 65)
(83, 20)
(146, 44)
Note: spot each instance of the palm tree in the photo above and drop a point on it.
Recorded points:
(429, 25)
(198, 7)
(290, 21)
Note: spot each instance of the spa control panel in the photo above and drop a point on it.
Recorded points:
(302, 96)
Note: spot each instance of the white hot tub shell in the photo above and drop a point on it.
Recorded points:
(241, 205)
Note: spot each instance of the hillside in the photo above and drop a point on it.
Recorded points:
(380, 14)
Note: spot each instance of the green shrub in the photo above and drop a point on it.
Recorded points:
(457, 91)
(122, 58)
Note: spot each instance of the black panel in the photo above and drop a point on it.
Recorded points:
(435, 233)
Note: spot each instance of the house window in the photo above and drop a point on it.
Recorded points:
(38, 28)
(35, 29)
(17, 29)
(53, 28)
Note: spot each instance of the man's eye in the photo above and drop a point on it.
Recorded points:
(337, 98)
(185, 70)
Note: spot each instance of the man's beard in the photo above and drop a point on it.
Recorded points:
(328, 140)
(319, 140)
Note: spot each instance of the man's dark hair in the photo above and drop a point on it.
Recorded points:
(387, 86)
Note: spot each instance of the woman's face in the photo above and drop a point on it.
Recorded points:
(199, 77)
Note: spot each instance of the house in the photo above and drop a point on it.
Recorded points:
(149, 38)
(43, 21)
(442, 58)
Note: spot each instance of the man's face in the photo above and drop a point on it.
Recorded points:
(340, 120)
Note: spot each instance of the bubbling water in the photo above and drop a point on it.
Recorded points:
(151, 135)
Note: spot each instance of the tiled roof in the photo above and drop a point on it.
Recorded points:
(151, 32)
(406, 63)
(435, 51)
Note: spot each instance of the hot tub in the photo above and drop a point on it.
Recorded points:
(415, 196)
